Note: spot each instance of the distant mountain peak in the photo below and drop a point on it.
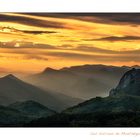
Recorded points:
(10, 76)
(135, 66)
(129, 83)
(48, 69)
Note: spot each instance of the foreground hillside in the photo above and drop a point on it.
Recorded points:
(20, 113)
(97, 112)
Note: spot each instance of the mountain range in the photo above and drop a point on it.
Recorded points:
(120, 108)
(84, 81)
(42, 100)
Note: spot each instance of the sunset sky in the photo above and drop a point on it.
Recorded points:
(30, 42)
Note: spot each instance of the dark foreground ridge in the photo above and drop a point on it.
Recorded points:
(20, 113)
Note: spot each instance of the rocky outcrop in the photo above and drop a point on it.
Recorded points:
(129, 84)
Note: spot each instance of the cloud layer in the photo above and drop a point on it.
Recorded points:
(32, 41)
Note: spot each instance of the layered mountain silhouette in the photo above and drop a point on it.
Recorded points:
(125, 97)
(85, 81)
(24, 104)
(13, 89)
(120, 108)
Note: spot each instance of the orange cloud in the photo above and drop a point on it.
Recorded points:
(35, 41)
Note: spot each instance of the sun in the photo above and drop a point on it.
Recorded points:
(17, 45)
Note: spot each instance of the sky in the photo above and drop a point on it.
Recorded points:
(30, 42)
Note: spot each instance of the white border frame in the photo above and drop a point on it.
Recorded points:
(69, 6)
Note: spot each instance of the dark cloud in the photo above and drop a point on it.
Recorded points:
(35, 57)
(105, 51)
(115, 38)
(94, 57)
(107, 18)
(27, 31)
(30, 21)
(85, 48)
(71, 40)
(112, 18)
(37, 32)
(132, 19)
(122, 18)
(44, 46)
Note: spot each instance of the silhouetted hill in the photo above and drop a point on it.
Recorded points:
(13, 89)
(20, 113)
(32, 109)
(12, 117)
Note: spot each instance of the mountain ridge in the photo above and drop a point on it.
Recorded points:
(89, 79)
(13, 89)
